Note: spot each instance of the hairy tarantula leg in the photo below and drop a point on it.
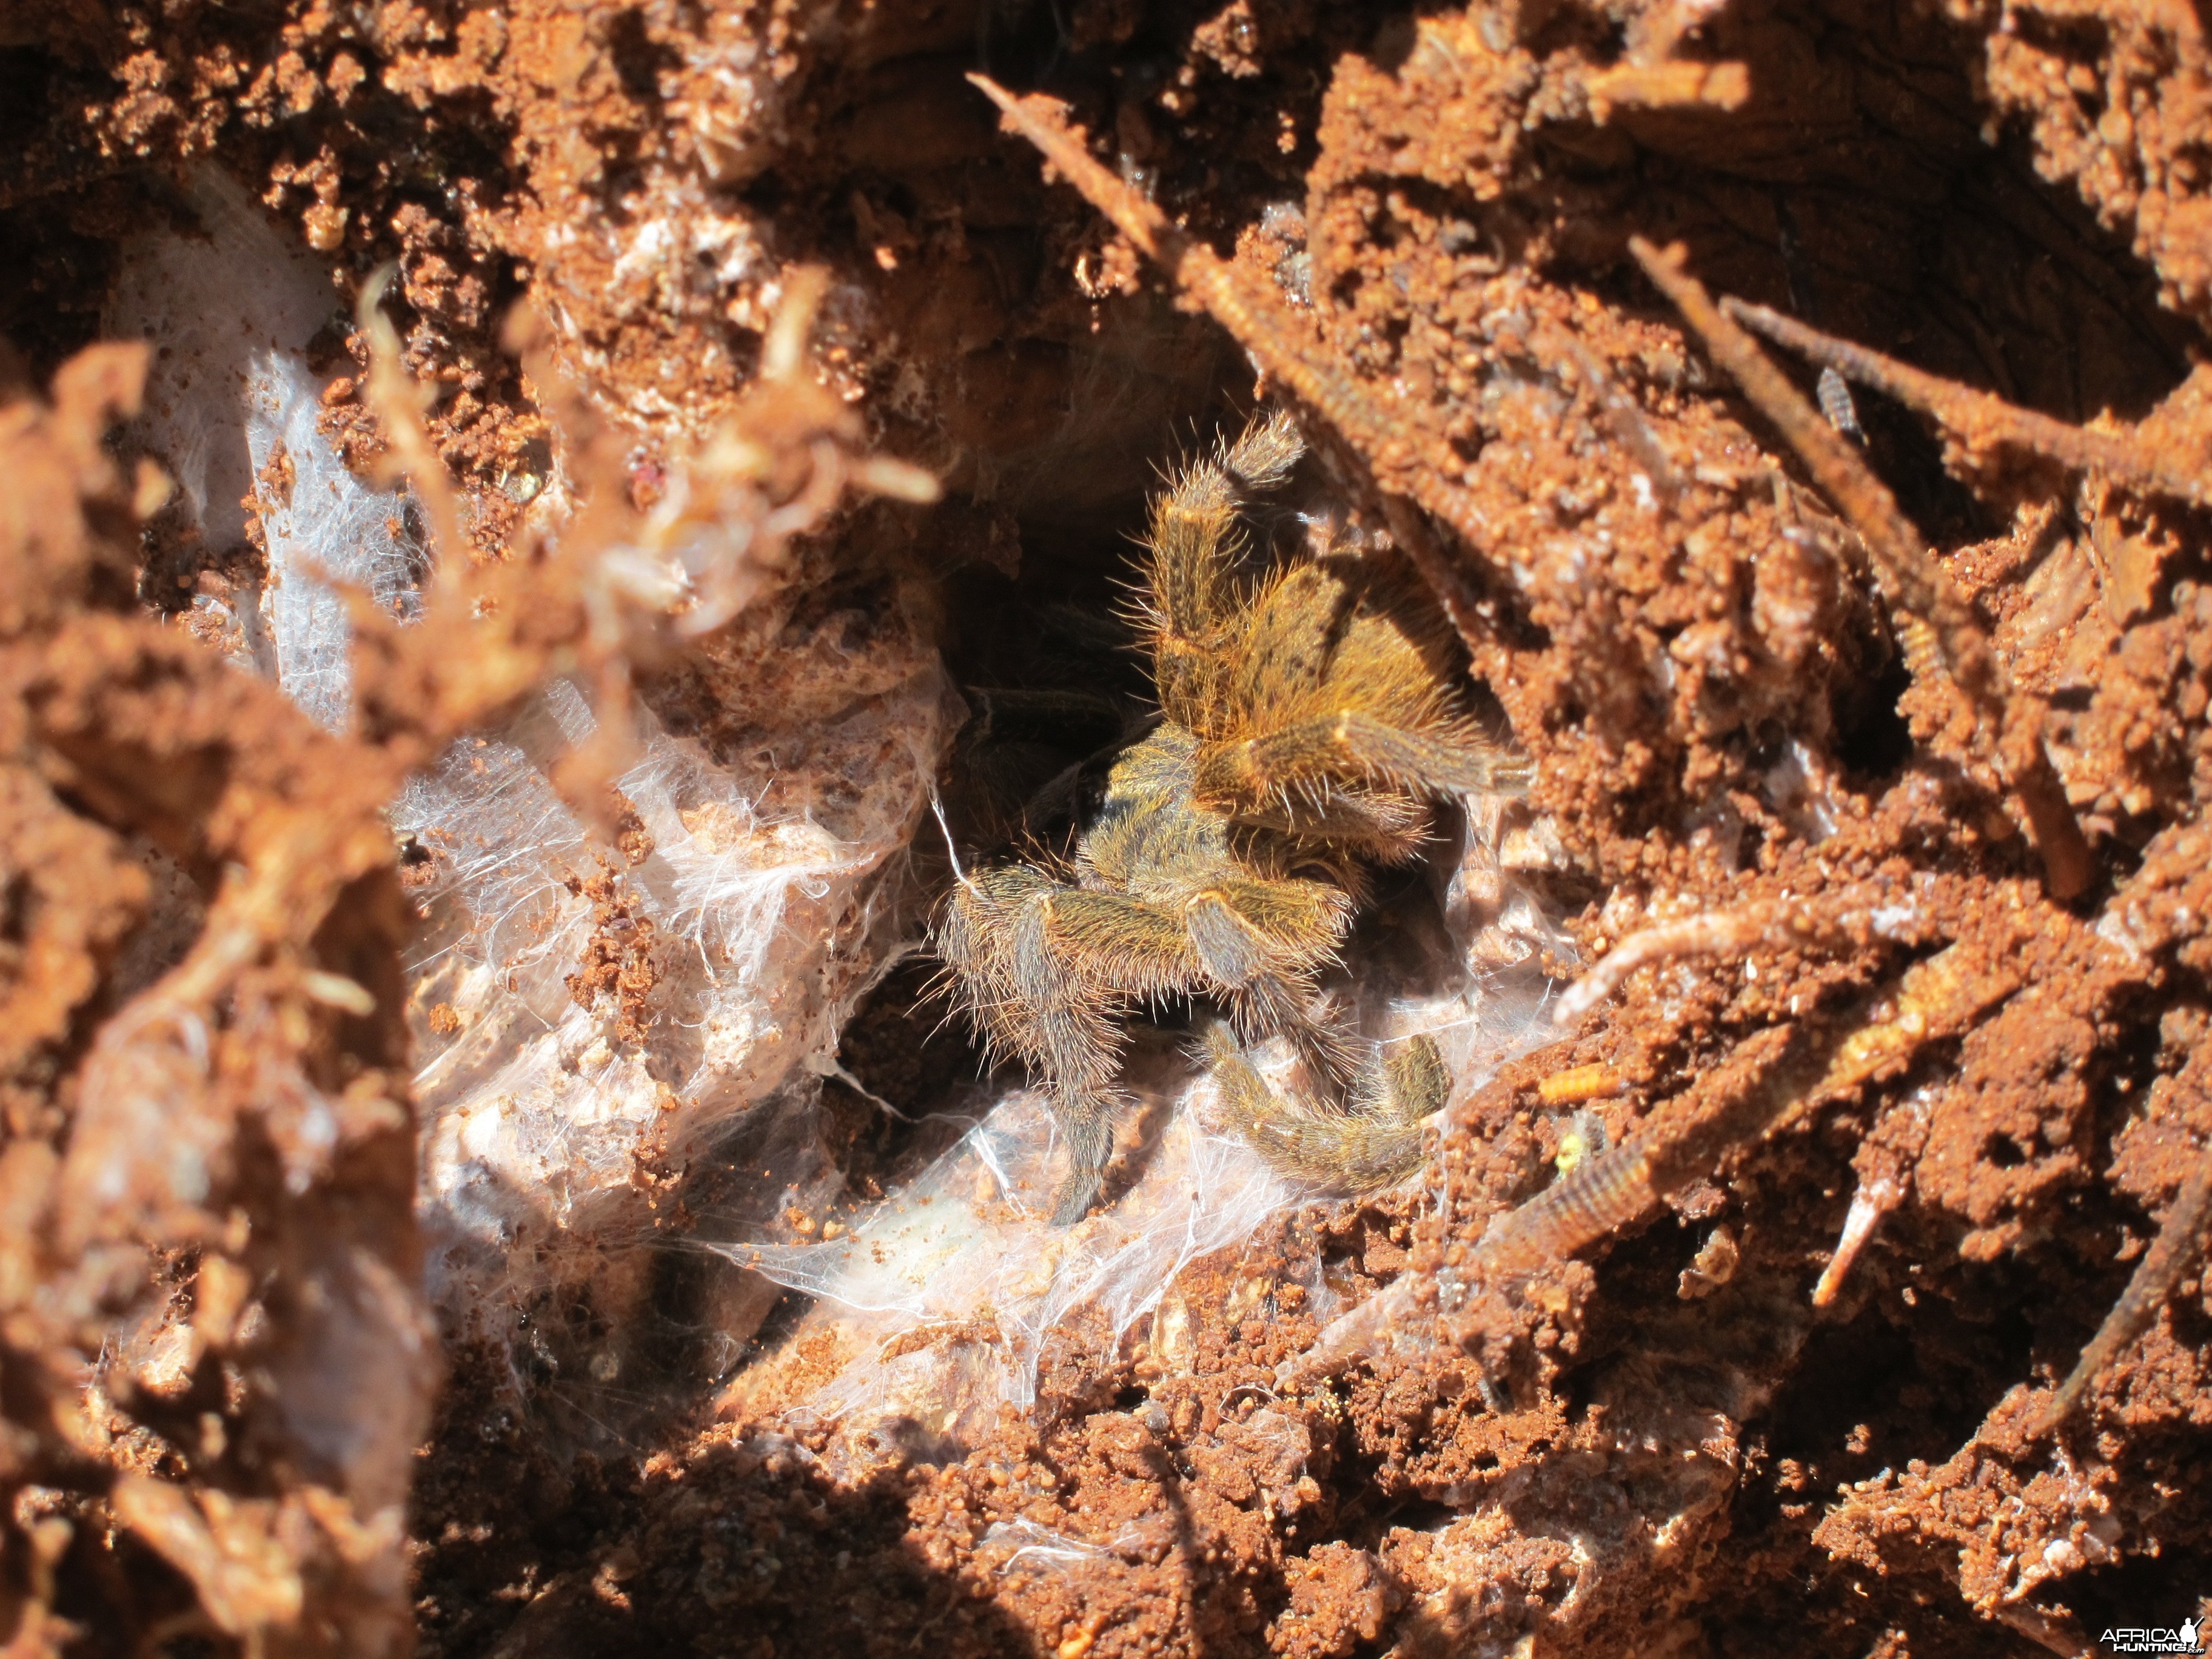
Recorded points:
(1415, 1082)
(1354, 746)
(1279, 340)
(1073, 952)
(969, 937)
(1113, 943)
(1270, 1005)
(1192, 522)
(1375, 1146)
(1255, 943)
(1235, 953)
(1938, 628)
(1041, 967)
(1090, 1144)
(1977, 419)
(1193, 531)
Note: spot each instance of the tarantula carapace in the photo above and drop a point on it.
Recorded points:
(1307, 717)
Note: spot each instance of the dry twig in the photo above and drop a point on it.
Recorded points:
(2179, 1242)
(1277, 339)
(1978, 419)
(1940, 631)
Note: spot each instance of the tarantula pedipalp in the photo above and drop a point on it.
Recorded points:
(1307, 719)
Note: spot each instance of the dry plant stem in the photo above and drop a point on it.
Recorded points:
(1939, 629)
(1277, 339)
(2180, 1244)
(1764, 1084)
(1976, 418)
(1627, 422)
(1706, 935)
(1873, 1200)
(1760, 1085)
(1548, 344)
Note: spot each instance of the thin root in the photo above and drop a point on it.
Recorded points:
(1940, 632)
(1873, 1200)
(2180, 1240)
(1278, 338)
(401, 403)
(1860, 911)
(1712, 935)
(1977, 419)
(1761, 1086)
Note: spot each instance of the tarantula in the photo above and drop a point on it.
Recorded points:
(1307, 718)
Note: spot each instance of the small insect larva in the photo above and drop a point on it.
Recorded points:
(1578, 1084)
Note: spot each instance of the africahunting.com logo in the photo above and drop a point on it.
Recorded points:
(2154, 1639)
